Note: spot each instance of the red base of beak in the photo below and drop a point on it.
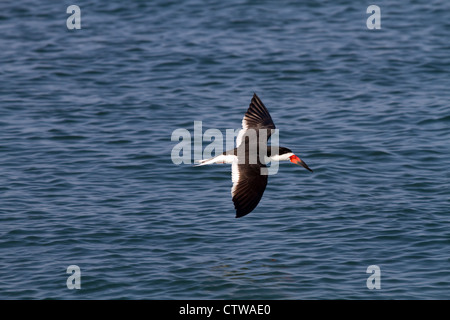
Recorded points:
(297, 160)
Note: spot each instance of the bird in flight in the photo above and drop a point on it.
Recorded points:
(248, 181)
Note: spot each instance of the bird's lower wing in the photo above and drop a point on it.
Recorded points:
(248, 187)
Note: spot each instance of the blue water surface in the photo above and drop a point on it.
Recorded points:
(87, 179)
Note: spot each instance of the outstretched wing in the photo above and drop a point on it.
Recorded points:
(257, 117)
(248, 187)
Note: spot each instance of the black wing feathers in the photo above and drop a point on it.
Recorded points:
(249, 189)
(257, 116)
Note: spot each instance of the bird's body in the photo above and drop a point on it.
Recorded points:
(229, 156)
(250, 157)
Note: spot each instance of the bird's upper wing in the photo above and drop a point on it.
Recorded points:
(257, 117)
(248, 187)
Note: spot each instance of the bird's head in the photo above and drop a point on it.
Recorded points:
(287, 154)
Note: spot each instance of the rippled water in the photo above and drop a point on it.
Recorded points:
(86, 178)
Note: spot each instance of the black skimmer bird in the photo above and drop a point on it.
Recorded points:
(248, 182)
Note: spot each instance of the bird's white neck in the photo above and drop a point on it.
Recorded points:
(278, 157)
